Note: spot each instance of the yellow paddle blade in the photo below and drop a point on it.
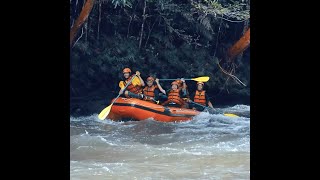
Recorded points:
(104, 113)
(202, 79)
(231, 115)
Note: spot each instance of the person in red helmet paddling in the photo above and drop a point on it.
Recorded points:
(151, 91)
(175, 94)
(134, 89)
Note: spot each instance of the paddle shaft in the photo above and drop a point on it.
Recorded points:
(201, 105)
(104, 113)
(198, 79)
(124, 88)
(211, 108)
(171, 79)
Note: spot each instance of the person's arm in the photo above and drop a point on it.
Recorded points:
(184, 87)
(208, 101)
(141, 80)
(156, 94)
(182, 94)
(121, 85)
(192, 97)
(159, 86)
(187, 94)
(190, 100)
(168, 91)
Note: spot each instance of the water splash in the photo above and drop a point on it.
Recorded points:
(210, 146)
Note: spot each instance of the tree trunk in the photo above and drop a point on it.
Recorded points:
(81, 19)
(239, 46)
(132, 18)
(145, 45)
(245, 28)
(99, 20)
(144, 18)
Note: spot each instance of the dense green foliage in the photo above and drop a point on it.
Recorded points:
(180, 38)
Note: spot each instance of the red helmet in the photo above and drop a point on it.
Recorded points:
(199, 82)
(178, 82)
(150, 79)
(175, 82)
(126, 70)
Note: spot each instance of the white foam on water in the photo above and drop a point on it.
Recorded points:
(211, 146)
(106, 141)
(84, 118)
(241, 107)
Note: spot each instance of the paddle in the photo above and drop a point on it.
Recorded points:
(202, 79)
(226, 114)
(104, 113)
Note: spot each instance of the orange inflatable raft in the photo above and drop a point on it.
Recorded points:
(142, 110)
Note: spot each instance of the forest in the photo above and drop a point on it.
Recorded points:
(159, 38)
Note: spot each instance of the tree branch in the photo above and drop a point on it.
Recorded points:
(81, 19)
(239, 46)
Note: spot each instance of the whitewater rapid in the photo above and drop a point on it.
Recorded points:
(211, 146)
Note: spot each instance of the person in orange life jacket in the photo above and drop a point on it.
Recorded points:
(134, 89)
(186, 97)
(175, 94)
(151, 91)
(200, 97)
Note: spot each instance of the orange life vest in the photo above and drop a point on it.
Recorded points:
(200, 97)
(174, 96)
(149, 91)
(132, 88)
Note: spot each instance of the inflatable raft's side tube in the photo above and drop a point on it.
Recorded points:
(141, 110)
